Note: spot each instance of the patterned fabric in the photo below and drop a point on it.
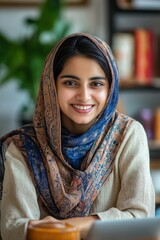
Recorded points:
(75, 148)
(69, 191)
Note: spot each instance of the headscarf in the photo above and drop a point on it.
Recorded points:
(65, 191)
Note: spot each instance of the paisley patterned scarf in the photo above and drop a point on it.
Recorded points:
(67, 191)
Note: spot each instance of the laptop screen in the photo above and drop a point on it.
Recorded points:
(128, 229)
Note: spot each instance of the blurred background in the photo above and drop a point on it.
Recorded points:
(30, 28)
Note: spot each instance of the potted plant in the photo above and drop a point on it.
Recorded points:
(23, 59)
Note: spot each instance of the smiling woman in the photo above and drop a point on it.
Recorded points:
(82, 93)
(81, 159)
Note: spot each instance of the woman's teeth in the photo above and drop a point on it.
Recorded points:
(82, 107)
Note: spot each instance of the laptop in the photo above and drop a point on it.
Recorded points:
(125, 229)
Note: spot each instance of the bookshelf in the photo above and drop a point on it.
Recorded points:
(125, 20)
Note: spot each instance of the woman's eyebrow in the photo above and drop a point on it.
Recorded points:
(97, 78)
(70, 76)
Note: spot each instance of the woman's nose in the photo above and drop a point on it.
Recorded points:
(84, 94)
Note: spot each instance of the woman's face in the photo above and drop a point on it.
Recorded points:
(82, 89)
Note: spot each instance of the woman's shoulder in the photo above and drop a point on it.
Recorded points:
(134, 124)
(16, 136)
(10, 147)
(134, 128)
(12, 143)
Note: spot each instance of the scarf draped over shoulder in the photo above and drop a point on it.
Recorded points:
(65, 191)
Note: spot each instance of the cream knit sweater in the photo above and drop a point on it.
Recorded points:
(127, 193)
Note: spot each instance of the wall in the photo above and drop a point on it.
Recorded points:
(90, 18)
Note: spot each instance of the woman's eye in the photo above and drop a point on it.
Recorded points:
(70, 83)
(97, 84)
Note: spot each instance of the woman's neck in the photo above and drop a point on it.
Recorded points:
(75, 128)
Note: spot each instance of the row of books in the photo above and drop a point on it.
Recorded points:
(138, 56)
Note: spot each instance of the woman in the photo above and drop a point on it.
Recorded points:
(81, 160)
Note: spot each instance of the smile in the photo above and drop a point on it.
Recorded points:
(82, 107)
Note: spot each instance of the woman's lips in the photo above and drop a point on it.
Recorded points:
(82, 108)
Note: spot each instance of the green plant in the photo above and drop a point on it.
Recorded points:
(23, 59)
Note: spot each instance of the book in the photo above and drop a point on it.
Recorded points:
(157, 58)
(124, 52)
(157, 124)
(144, 59)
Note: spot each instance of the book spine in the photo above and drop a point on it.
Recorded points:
(144, 63)
(157, 58)
(124, 52)
(157, 125)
